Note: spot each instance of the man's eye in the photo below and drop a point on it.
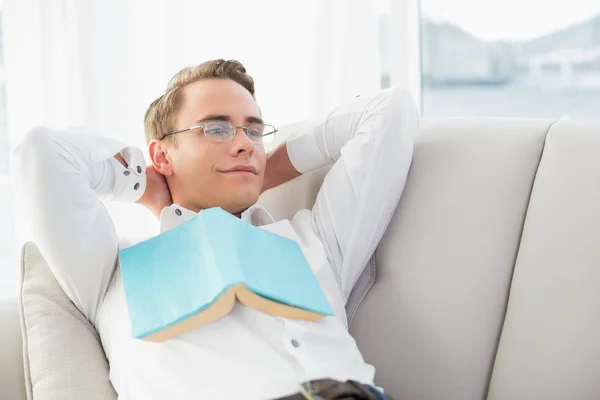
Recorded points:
(216, 129)
(255, 130)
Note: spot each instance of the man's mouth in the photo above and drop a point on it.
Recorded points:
(241, 169)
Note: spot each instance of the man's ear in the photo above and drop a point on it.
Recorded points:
(159, 155)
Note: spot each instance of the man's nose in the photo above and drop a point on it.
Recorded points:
(241, 141)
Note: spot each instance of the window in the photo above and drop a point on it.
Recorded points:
(526, 58)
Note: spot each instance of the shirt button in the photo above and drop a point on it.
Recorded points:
(136, 187)
(178, 212)
(126, 173)
(139, 169)
(295, 343)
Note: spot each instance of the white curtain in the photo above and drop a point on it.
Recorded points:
(99, 64)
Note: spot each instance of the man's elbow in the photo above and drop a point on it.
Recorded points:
(400, 100)
(31, 150)
(400, 109)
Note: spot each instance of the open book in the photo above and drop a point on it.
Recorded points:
(193, 274)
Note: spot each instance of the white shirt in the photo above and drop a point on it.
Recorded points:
(61, 177)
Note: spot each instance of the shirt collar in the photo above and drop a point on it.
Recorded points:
(172, 216)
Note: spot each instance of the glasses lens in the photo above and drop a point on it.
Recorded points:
(217, 130)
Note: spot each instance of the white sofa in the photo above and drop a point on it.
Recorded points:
(488, 278)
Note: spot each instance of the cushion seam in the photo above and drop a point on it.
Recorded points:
(514, 264)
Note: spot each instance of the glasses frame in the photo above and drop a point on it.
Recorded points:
(231, 137)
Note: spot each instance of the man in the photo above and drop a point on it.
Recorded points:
(205, 139)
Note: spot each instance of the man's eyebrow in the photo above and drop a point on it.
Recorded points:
(227, 118)
(254, 120)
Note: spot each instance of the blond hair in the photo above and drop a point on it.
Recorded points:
(162, 112)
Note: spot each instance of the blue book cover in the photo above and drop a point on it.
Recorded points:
(193, 274)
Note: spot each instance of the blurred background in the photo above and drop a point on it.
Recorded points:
(99, 64)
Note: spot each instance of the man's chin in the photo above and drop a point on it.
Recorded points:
(239, 205)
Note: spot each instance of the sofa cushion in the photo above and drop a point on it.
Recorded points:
(63, 356)
(549, 346)
(431, 322)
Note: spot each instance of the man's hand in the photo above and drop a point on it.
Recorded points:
(279, 169)
(157, 195)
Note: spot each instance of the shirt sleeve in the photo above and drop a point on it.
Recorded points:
(369, 141)
(60, 179)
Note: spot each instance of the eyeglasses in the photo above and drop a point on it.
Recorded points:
(222, 131)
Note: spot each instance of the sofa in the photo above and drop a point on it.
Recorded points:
(487, 280)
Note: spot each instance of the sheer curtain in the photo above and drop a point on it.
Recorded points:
(99, 64)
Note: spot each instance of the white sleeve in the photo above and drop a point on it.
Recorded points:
(370, 142)
(60, 177)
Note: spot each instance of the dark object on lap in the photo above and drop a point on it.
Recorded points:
(329, 389)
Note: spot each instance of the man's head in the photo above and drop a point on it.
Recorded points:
(201, 171)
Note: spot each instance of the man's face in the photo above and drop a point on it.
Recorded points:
(206, 173)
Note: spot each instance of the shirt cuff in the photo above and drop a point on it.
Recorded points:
(130, 182)
(304, 152)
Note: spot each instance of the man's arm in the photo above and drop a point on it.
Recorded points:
(59, 178)
(370, 142)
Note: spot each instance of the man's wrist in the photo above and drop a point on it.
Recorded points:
(120, 159)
